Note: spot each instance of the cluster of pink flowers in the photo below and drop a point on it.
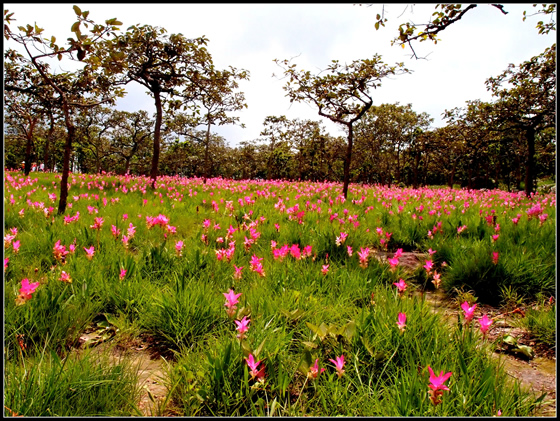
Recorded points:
(256, 265)
(69, 219)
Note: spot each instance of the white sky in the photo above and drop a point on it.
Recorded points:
(251, 36)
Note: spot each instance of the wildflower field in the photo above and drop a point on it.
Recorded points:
(266, 297)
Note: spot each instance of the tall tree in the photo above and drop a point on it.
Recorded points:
(341, 94)
(169, 67)
(86, 87)
(526, 100)
(131, 132)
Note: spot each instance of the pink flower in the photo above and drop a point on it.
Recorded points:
(231, 300)
(401, 323)
(469, 311)
(398, 253)
(401, 285)
(325, 269)
(485, 323)
(27, 288)
(495, 238)
(259, 374)
(59, 251)
(495, 257)
(437, 385)
(237, 274)
(98, 223)
(436, 281)
(6, 260)
(16, 245)
(314, 370)
(428, 266)
(363, 254)
(393, 262)
(64, 277)
(115, 231)
(122, 274)
(89, 252)
(461, 229)
(349, 251)
(339, 365)
(179, 248)
(430, 251)
(242, 326)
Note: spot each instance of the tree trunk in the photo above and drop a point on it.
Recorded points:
(157, 138)
(206, 151)
(65, 170)
(347, 161)
(46, 156)
(530, 167)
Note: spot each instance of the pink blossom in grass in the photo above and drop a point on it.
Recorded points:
(307, 251)
(21, 213)
(98, 223)
(8, 239)
(6, 261)
(325, 269)
(242, 326)
(485, 323)
(273, 244)
(125, 241)
(339, 365)
(65, 277)
(231, 300)
(468, 311)
(179, 248)
(394, 261)
(253, 366)
(26, 290)
(430, 251)
(542, 218)
(237, 274)
(461, 229)
(401, 321)
(398, 253)
(16, 244)
(349, 249)
(341, 239)
(401, 285)
(89, 252)
(59, 251)
(437, 280)
(122, 274)
(115, 231)
(125, 216)
(363, 254)
(495, 238)
(495, 257)
(437, 385)
(277, 226)
(428, 266)
(314, 369)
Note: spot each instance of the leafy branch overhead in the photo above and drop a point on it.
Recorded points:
(446, 15)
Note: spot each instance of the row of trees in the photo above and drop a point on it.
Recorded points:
(393, 144)
(383, 144)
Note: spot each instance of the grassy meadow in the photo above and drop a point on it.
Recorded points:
(268, 297)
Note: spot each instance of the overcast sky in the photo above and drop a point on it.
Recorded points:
(251, 36)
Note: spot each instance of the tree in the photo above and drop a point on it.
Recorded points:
(168, 66)
(93, 126)
(217, 98)
(388, 131)
(341, 95)
(526, 100)
(87, 87)
(131, 132)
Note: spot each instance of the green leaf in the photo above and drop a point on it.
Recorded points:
(305, 362)
(75, 27)
(526, 350)
(77, 10)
